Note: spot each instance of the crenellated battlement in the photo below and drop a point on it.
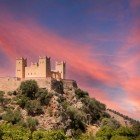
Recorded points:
(41, 69)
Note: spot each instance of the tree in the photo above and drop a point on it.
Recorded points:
(29, 88)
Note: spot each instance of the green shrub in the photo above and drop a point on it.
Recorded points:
(57, 86)
(49, 135)
(56, 135)
(29, 88)
(138, 137)
(81, 94)
(14, 132)
(2, 99)
(105, 132)
(11, 116)
(86, 136)
(124, 131)
(33, 107)
(77, 118)
(43, 96)
(32, 123)
(136, 129)
(39, 135)
(94, 108)
(22, 100)
(110, 122)
(120, 138)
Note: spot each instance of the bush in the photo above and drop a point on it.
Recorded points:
(39, 135)
(120, 138)
(58, 86)
(13, 117)
(86, 136)
(55, 135)
(81, 94)
(136, 129)
(105, 133)
(14, 132)
(124, 131)
(29, 88)
(34, 107)
(32, 123)
(110, 122)
(77, 118)
(22, 100)
(2, 99)
(94, 108)
(43, 96)
(49, 135)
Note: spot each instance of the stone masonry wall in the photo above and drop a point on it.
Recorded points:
(12, 83)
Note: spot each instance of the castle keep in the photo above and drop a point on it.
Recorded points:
(41, 69)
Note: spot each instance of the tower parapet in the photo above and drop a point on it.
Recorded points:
(61, 68)
(41, 69)
(21, 63)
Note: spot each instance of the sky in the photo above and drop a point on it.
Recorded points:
(98, 39)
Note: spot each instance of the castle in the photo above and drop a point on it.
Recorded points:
(41, 69)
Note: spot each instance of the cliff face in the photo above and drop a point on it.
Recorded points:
(63, 106)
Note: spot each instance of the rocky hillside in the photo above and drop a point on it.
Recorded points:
(62, 113)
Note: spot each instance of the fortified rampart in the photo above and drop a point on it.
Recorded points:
(12, 83)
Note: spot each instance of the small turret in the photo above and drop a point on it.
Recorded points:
(44, 66)
(61, 68)
(21, 63)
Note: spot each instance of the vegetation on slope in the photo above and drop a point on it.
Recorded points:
(24, 114)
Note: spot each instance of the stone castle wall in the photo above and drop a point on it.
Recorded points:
(12, 83)
(9, 83)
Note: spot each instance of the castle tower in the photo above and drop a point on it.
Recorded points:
(44, 66)
(21, 63)
(61, 68)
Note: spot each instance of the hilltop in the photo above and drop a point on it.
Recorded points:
(64, 112)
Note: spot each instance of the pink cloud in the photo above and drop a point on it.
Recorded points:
(22, 38)
(18, 39)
